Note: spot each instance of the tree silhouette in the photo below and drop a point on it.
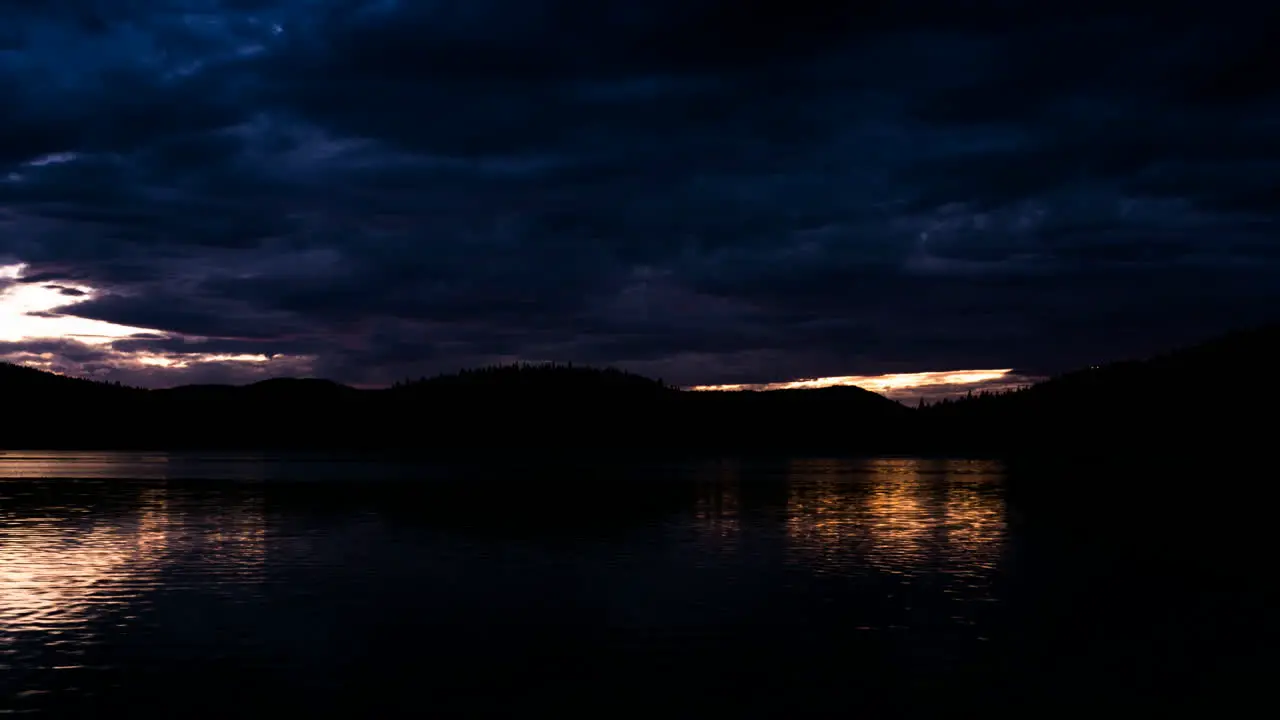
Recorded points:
(1173, 400)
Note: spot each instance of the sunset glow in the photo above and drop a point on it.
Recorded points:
(23, 308)
(899, 386)
(182, 361)
(33, 312)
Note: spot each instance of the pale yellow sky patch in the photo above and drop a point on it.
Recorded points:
(183, 361)
(18, 301)
(877, 383)
(17, 325)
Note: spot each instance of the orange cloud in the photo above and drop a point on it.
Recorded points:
(905, 387)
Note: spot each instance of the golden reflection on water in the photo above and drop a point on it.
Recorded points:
(66, 565)
(54, 464)
(902, 516)
(56, 571)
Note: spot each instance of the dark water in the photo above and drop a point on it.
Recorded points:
(171, 586)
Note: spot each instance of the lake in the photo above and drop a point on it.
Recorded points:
(172, 585)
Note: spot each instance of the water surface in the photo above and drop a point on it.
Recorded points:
(172, 585)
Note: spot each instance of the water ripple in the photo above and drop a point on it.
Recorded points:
(114, 583)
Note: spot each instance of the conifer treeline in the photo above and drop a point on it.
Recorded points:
(1174, 400)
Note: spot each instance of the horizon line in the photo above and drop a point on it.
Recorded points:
(886, 383)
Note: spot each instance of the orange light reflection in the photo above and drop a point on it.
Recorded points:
(903, 516)
(67, 566)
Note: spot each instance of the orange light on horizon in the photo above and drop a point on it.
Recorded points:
(874, 383)
(185, 360)
(31, 312)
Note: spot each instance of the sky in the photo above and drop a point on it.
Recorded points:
(707, 192)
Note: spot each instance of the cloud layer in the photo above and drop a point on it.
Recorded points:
(713, 192)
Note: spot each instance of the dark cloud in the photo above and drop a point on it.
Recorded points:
(67, 291)
(44, 277)
(65, 351)
(186, 315)
(181, 346)
(712, 191)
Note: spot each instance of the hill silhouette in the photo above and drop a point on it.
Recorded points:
(530, 407)
(1216, 395)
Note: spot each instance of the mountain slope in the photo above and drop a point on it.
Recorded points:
(1214, 397)
(536, 407)
(1218, 395)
